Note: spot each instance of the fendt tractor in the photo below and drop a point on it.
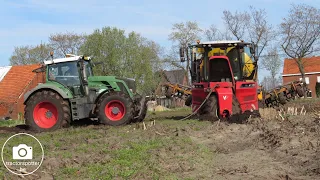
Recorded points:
(223, 75)
(71, 92)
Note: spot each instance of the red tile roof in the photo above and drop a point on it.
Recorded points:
(311, 64)
(16, 81)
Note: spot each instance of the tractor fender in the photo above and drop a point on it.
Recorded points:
(102, 93)
(64, 93)
(224, 96)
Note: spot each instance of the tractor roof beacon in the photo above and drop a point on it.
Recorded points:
(223, 75)
(72, 92)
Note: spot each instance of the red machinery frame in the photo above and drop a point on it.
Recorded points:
(245, 93)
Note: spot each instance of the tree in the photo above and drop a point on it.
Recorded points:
(211, 34)
(260, 32)
(184, 34)
(66, 43)
(236, 23)
(106, 46)
(30, 54)
(214, 34)
(131, 56)
(272, 63)
(268, 84)
(252, 25)
(300, 32)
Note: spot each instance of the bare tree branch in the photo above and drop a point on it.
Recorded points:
(260, 32)
(66, 43)
(300, 33)
(236, 23)
(184, 34)
(272, 63)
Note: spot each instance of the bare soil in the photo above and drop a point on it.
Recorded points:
(173, 149)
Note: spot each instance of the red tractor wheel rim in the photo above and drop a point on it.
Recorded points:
(45, 115)
(115, 110)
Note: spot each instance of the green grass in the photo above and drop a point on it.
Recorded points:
(10, 123)
(125, 152)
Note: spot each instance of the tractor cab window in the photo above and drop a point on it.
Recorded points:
(247, 61)
(233, 56)
(65, 73)
(88, 68)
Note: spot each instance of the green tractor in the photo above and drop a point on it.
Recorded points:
(71, 92)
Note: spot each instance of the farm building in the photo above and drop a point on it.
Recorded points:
(15, 81)
(312, 71)
(173, 77)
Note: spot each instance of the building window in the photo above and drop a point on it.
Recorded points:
(318, 79)
(307, 79)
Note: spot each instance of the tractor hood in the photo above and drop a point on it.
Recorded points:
(129, 82)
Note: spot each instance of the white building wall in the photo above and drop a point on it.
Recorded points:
(4, 71)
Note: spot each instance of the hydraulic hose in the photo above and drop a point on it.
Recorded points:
(195, 112)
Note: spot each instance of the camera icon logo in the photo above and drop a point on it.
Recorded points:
(22, 151)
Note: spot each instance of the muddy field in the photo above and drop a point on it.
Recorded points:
(173, 149)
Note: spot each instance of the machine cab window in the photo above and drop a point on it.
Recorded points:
(65, 73)
(233, 55)
(88, 69)
(247, 61)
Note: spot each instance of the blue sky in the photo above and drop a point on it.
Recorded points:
(30, 22)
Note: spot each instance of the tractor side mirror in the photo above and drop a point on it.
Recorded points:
(182, 58)
(253, 49)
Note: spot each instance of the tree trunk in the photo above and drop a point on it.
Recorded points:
(301, 69)
(273, 81)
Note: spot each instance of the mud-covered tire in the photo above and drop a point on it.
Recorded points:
(47, 111)
(282, 99)
(210, 109)
(188, 101)
(140, 116)
(115, 109)
(236, 110)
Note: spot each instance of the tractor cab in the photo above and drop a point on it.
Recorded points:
(72, 72)
(207, 55)
(228, 71)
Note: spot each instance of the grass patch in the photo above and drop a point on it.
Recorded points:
(124, 152)
(10, 123)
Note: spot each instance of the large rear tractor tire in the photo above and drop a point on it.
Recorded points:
(188, 101)
(115, 108)
(141, 112)
(209, 111)
(47, 111)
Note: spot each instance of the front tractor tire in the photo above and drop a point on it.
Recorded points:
(115, 108)
(209, 110)
(47, 111)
